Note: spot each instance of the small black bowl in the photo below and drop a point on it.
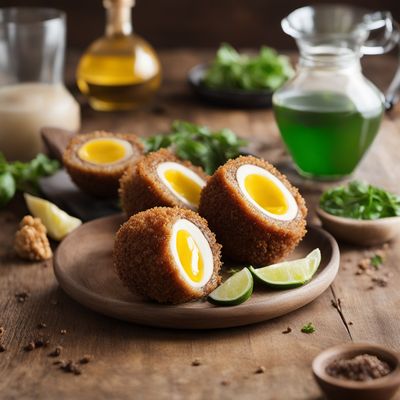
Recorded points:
(235, 98)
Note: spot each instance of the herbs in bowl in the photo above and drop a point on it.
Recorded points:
(237, 79)
(360, 213)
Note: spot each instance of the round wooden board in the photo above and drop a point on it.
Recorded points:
(83, 267)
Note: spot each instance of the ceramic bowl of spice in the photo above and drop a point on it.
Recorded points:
(357, 371)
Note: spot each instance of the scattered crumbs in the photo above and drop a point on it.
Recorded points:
(58, 362)
(350, 323)
(381, 282)
(308, 328)
(85, 359)
(56, 352)
(196, 362)
(71, 367)
(21, 296)
(41, 325)
(2, 330)
(225, 382)
(2, 348)
(30, 346)
(260, 370)
(63, 331)
(287, 330)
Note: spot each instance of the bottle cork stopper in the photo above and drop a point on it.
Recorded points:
(118, 3)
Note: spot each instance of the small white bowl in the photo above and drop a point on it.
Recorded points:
(360, 232)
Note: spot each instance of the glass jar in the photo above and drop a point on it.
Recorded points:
(32, 93)
(329, 113)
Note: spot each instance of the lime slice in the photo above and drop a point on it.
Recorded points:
(289, 274)
(235, 290)
(57, 222)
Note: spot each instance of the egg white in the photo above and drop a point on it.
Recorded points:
(127, 147)
(203, 246)
(165, 166)
(249, 169)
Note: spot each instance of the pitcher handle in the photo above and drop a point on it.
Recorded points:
(390, 38)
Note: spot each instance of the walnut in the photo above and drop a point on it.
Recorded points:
(31, 241)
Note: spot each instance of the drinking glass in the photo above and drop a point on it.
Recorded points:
(32, 93)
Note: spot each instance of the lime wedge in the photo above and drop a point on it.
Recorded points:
(57, 222)
(235, 290)
(289, 274)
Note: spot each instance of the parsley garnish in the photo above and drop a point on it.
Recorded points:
(198, 144)
(23, 176)
(376, 261)
(308, 328)
(360, 200)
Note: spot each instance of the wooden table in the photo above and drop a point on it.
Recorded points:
(145, 363)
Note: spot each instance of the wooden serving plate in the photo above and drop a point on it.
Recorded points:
(83, 267)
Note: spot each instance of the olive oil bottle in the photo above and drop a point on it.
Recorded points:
(119, 71)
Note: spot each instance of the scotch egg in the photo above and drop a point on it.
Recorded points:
(256, 214)
(96, 161)
(161, 179)
(168, 255)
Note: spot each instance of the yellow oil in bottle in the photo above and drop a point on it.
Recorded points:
(119, 71)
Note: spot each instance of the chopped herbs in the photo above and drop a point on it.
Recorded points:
(308, 328)
(230, 69)
(23, 176)
(360, 200)
(376, 261)
(198, 144)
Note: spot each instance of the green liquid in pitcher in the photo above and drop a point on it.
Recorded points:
(324, 132)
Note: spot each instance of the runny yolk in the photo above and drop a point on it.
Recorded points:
(102, 151)
(183, 185)
(189, 256)
(266, 194)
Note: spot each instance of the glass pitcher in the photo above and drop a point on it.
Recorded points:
(329, 113)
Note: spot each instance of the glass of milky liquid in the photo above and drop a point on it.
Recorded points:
(32, 93)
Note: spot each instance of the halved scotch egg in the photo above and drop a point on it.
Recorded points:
(257, 215)
(161, 179)
(96, 161)
(168, 255)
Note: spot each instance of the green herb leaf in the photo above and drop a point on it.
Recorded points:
(23, 176)
(267, 70)
(308, 328)
(198, 144)
(376, 261)
(7, 188)
(360, 200)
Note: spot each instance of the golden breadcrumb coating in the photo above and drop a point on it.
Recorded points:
(245, 233)
(145, 264)
(141, 187)
(99, 180)
(31, 242)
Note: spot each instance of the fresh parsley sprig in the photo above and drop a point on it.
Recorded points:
(198, 144)
(359, 200)
(230, 69)
(23, 176)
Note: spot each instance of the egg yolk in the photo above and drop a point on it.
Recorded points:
(189, 256)
(183, 185)
(102, 151)
(266, 194)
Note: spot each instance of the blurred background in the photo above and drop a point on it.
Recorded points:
(193, 23)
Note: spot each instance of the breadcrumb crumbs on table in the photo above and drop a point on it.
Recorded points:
(31, 242)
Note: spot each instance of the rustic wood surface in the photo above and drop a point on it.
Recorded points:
(131, 361)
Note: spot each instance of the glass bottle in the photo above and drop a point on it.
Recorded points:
(119, 71)
(329, 113)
